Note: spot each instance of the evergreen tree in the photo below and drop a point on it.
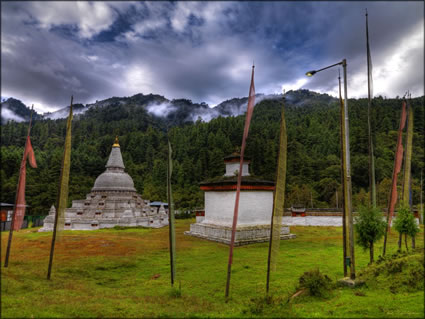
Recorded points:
(370, 227)
(405, 224)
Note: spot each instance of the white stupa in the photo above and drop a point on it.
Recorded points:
(113, 201)
(255, 207)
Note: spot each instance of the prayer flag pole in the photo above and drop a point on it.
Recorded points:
(372, 186)
(19, 189)
(250, 109)
(172, 232)
(278, 200)
(397, 166)
(408, 155)
(62, 198)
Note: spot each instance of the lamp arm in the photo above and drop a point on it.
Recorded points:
(339, 63)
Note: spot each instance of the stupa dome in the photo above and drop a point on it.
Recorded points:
(114, 181)
(114, 178)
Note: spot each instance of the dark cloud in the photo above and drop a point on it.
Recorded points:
(204, 50)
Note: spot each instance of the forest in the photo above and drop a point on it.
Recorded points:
(313, 172)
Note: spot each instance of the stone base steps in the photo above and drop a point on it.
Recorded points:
(244, 235)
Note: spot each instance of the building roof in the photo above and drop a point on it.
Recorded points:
(6, 205)
(158, 204)
(10, 205)
(236, 157)
(233, 180)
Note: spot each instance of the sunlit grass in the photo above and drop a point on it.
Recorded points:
(125, 273)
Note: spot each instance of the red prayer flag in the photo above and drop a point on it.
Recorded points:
(30, 153)
(249, 110)
(397, 165)
(20, 198)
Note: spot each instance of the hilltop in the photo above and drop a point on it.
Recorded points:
(175, 112)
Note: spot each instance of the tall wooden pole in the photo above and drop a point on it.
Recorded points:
(171, 217)
(12, 224)
(278, 199)
(372, 186)
(392, 199)
(250, 108)
(348, 169)
(270, 246)
(55, 225)
(343, 180)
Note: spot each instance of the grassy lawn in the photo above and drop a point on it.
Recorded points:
(125, 273)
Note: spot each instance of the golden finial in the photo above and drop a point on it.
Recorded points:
(116, 144)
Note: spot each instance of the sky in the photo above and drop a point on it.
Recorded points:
(204, 51)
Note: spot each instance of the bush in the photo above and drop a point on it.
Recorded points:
(316, 283)
(258, 304)
(398, 273)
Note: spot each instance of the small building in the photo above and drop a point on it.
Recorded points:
(255, 207)
(113, 201)
(6, 212)
(298, 210)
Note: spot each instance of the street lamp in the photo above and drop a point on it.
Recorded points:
(346, 173)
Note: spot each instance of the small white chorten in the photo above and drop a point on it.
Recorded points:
(255, 207)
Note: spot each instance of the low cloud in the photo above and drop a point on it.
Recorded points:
(161, 109)
(8, 115)
(203, 51)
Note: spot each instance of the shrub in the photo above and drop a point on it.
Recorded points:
(399, 273)
(316, 283)
(257, 304)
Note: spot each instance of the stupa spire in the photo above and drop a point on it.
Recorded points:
(116, 144)
(115, 158)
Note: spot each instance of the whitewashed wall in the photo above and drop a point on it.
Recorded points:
(318, 221)
(255, 207)
(231, 168)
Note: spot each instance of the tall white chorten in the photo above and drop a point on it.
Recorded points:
(255, 207)
(113, 201)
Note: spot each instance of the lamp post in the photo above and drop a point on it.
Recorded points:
(345, 150)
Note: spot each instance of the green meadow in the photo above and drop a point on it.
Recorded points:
(125, 273)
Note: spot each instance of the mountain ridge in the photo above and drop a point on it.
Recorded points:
(174, 112)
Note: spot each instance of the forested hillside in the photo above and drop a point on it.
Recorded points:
(199, 148)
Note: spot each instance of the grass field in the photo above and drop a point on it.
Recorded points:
(125, 273)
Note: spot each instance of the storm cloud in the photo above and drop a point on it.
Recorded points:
(203, 51)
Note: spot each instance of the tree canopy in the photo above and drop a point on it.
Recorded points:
(313, 172)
